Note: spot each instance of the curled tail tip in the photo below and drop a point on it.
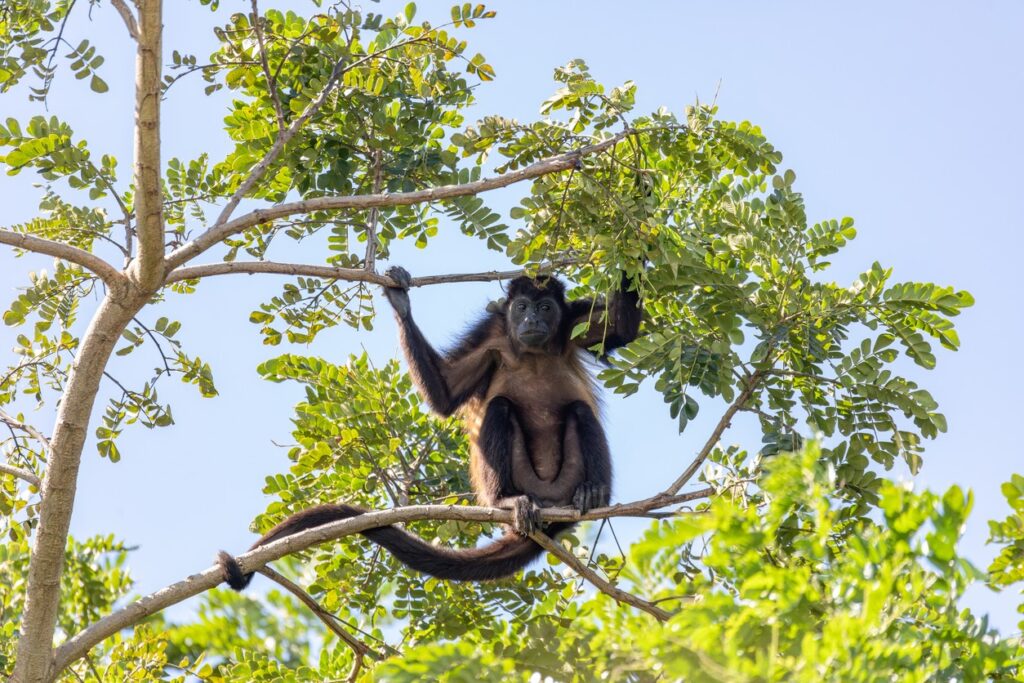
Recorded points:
(232, 571)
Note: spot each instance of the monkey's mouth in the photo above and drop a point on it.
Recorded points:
(533, 337)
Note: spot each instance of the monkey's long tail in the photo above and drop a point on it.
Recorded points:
(504, 557)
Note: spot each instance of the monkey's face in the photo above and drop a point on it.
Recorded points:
(534, 322)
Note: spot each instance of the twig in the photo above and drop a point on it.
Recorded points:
(127, 16)
(159, 347)
(360, 648)
(593, 577)
(38, 245)
(223, 230)
(21, 474)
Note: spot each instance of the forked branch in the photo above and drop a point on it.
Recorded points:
(78, 645)
(221, 231)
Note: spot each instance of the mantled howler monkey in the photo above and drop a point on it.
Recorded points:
(530, 411)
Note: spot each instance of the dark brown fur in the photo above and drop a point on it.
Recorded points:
(531, 416)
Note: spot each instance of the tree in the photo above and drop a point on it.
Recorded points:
(349, 136)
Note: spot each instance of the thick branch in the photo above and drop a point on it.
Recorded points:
(219, 232)
(82, 642)
(335, 273)
(38, 245)
(127, 16)
(21, 474)
(148, 269)
(593, 577)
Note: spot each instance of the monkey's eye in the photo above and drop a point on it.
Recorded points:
(521, 306)
(545, 307)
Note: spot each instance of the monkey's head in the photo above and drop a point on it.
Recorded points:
(534, 311)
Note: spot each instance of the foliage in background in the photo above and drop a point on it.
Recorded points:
(805, 566)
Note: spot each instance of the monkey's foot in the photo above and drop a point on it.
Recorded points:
(525, 516)
(589, 496)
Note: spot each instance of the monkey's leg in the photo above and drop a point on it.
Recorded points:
(499, 458)
(585, 442)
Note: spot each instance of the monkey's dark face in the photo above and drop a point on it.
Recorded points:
(534, 322)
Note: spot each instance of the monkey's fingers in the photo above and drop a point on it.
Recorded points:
(525, 516)
(400, 275)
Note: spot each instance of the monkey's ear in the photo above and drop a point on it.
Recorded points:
(497, 306)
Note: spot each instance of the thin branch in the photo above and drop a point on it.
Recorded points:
(271, 83)
(285, 136)
(716, 434)
(127, 16)
(358, 647)
(336, 273)
(593, 577)
(279, 144)
(38, 245)
(21, 474)
(221, 231)
(11, 421)
(79, 644)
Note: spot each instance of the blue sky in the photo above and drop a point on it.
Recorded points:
(905, 116)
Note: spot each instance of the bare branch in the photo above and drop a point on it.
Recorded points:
(221, 231)
(358, 647)
(38, 245)
(127, 16)
(335, 273)
(148, 268)
(21, 474)
(593, 577)
(79, 644)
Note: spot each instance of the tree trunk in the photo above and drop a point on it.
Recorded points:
(35, 648)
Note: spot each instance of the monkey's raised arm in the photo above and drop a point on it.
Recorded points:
(616, 324)
(444, 382)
